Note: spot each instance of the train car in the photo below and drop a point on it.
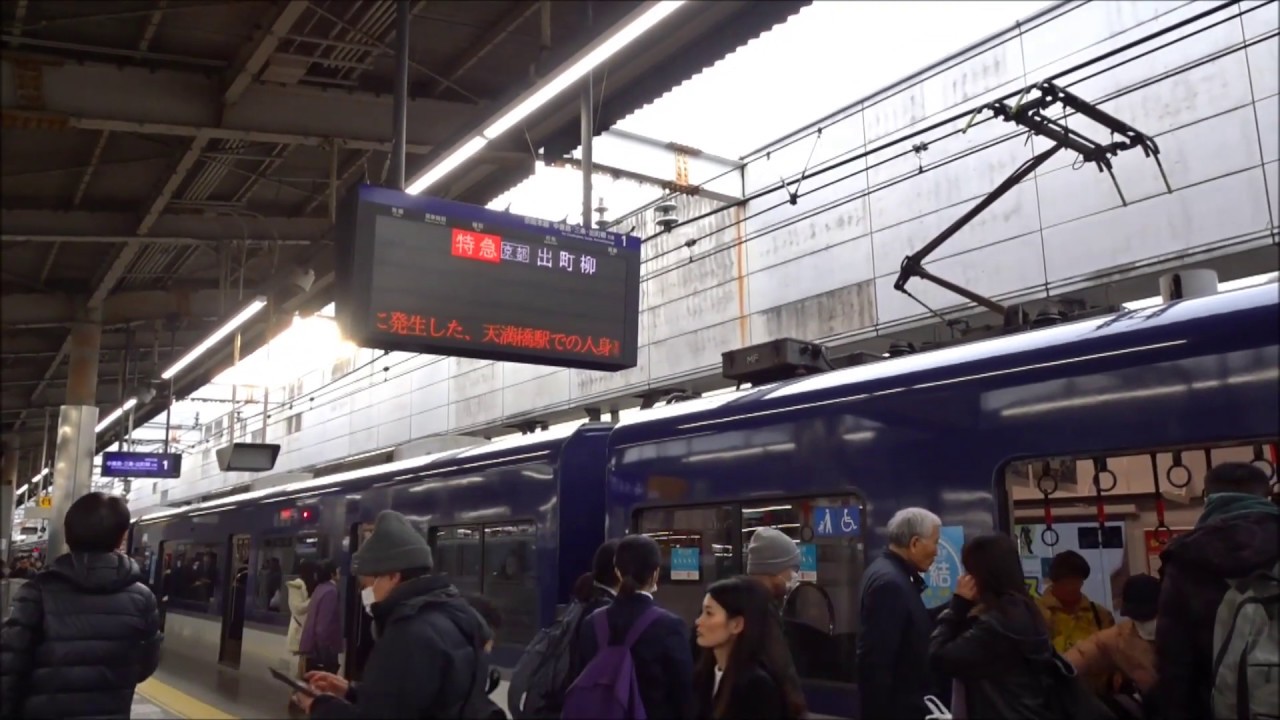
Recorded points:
(491, 514)
(829, 458)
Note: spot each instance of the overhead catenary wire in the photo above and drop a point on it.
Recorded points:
(932, 127)
(914, 173)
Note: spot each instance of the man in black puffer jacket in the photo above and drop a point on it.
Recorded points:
(84, 632)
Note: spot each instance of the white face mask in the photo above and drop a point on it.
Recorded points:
(366, 597)
(793, 582)
(1146, 629)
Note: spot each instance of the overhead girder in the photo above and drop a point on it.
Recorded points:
(18, 310)
(170, 102)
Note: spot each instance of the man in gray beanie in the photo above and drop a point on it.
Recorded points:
(429, 659)
(773, 560)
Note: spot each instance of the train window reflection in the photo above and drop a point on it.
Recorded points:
(457, 554)
(276, 564)
(191, 575)
(510, 580)
(699, 547)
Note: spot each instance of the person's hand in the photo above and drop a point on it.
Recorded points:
(303, 701)
(967, 588)
(323, 682)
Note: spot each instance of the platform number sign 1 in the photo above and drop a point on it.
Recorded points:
(841, 521)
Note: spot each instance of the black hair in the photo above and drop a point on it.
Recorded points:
(307, 572)
(325, 571)
(1140, 597)
(603, 563)
(487, 610)
(1067, 565)
(636, 559)
(414, 573)
(759, 642)
(1237, 477)
(993, 562)
(96, 523)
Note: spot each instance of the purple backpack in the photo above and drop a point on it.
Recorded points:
(607, 688)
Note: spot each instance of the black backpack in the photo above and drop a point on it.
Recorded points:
(541, 677)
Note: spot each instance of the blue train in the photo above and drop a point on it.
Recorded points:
(827, 458)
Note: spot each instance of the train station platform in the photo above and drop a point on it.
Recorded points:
(158, 700)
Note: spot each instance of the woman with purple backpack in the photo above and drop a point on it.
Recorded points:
(634, 642)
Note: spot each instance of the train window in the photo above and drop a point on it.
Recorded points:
(276, 565)
(1146, 499)
(698, 548)
(193, 575)
(510, 578)
(457, 554)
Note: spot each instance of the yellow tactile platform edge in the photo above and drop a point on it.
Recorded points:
(180, 702)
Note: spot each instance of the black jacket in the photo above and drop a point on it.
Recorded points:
(893, 646)
(663, 665)
(753, 696)
(428, 661)
(1003, 659)
(81, 635)
(1194, 570)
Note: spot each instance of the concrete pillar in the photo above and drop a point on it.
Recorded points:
(8, 483)
(76, 435)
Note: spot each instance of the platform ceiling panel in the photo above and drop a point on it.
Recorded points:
(188, 148)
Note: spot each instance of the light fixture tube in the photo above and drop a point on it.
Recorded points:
(445, 166)
(115, 414)
(235, 322)
(575, 72)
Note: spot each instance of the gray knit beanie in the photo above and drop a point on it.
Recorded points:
(771, 552)
(393, 546)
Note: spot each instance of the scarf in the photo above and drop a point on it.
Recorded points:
(1220, 505)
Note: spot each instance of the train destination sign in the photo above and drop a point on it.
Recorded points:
(160, 466)
(421, 274)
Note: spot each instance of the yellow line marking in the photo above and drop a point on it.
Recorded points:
(180, 702)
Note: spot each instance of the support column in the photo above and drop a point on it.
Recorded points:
(77, 420)
(8, 484)
(401, 95)
(588, 136)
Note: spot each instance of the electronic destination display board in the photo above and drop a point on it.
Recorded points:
(421, 274)
(160, 466)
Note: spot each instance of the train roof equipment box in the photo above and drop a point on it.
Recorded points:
(773, 361)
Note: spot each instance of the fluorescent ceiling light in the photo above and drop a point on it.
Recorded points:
(575, 72)
(225, 330)
(115, 415)
(1242, 283)
(538, 97)
(444, 167)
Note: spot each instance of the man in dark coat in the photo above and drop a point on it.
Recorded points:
(84, 632)
(428, 660)
(1236, 535)
(893, 646)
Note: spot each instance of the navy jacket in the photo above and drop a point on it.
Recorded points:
(82, 634)
(1195, 568)
(893, 646)
(663, 664)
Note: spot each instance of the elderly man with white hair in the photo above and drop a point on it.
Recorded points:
(893, 645)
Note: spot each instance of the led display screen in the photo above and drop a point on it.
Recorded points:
(420, 274)
(141, 465)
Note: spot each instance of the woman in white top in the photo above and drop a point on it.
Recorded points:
(300, 589)
(736, 633)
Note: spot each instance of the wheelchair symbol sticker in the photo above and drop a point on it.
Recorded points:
(839, 521)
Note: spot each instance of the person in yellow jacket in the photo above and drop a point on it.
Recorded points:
(1069, 613)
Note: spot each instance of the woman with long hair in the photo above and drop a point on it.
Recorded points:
(737, 634)
(321, 641)
(994, 642)
(660, 655)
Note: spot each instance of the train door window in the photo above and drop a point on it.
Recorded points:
(458, 554)
(510, 578)
(820, 615)
(276, 565)
(195, 577)
(699, 547)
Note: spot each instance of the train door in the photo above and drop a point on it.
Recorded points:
(235, 580)
(359, 625)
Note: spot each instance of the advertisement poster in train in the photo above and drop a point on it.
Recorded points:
(1154, 546)
(686, 563)
(1105, 554)
(808, 562)
(940, 582)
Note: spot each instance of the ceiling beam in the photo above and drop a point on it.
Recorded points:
(108, 239)
(256, 52)
(167, 102)
(486, 42)
(117, 308)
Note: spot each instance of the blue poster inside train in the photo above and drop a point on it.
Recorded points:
(941, 579)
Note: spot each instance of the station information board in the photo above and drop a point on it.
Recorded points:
(161, 466)
(421, 274)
